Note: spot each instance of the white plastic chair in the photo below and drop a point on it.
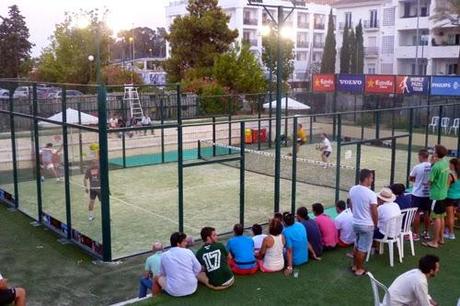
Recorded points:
(375, 284)
(445, 123)
(406, 229)
(434, 123)
(392, 231)
(455, 126)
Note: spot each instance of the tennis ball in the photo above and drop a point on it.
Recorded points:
(94, 147)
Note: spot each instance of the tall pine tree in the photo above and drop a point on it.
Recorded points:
(14, 44)
(359, 48)
(345, 51)
(353, 54)
(328, 60)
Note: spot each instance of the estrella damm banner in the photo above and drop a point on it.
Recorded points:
(323, 83)
(351, 83)
(411, 85)
(380, 84)
(445, 86)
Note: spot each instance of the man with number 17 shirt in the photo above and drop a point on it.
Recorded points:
(213, 256)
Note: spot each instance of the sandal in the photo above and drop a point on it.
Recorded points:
(430, 245)
(362, 274)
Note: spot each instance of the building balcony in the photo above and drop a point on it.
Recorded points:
(371, 52)
(250, 21)
(303, 44)
(411, 23)
(318, 44)
(303, 25)
(319, 26)
(371, 25)
(444, 51)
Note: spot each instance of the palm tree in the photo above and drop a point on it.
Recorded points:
(448, 12)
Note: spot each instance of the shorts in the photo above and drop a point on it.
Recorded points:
(7, 296)
(93, 193)
(364, 237)
(49, 166)
(438, 208)
(422, 203)
(326, 153)
(162, 282)
(452, 202)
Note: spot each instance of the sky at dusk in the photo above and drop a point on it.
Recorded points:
(42, 15)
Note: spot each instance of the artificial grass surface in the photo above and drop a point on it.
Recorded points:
(56, 274)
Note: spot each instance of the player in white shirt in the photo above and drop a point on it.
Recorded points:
(411, 288)
(344, 225)
(325, 147)
(420, 176)
(49, 160)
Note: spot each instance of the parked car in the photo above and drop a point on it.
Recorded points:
(4, 93)
(69, 93)
(22, 92)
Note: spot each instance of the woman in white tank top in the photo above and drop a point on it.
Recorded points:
(270, 256)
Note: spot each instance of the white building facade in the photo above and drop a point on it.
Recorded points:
(390, 36)
(308, 28)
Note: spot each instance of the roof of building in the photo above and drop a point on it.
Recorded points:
(351, 2)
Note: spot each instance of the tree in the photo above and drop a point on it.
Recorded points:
(352, 48)
(345, 51)
(115, 75)
(239, 70)
(147, 43)
(14, 44)
(447, 11)
(269, 55)
(357, 59)
(330, 53)
(197, 38)
(66, 59)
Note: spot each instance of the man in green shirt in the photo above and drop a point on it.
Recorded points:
(438, 194)
(213, 257)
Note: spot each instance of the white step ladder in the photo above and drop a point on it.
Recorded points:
(132, 97)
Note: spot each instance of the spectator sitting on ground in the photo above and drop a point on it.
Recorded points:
(11, 295)
(344, 225)
(387, 209)
(326, 227)
(179, 269)
(402, 199)
(312, 229)
(411, 288)
(241, 248)
(152, 269)
(271, 258)
(213, 257)
(258, 237)
(297, 244)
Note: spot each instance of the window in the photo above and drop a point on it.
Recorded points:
(373, 19)
(371, 68)
(318, 40)
(372, 41)
(387, 68)
(302, 39)
(389, 16)
(451, 68)
(303, 20)
(388, 44)
(317, 57)
(347, 19)
(319, 21)
(421, 69)
(302, 56)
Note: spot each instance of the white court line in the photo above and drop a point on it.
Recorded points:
(143, 209)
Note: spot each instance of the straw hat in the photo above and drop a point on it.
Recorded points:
(386, 195)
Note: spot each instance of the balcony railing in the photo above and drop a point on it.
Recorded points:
(250, 21)
(319, 26)
(371, 25)
(302, 44)
(371, 51)
(318, 44)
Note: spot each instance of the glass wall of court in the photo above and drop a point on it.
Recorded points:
(184, 171)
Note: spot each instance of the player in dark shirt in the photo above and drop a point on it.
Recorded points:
(93, 176)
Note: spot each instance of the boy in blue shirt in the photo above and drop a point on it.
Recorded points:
(241, 249)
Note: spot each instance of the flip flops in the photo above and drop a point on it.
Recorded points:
(362, 274)
(430, 245)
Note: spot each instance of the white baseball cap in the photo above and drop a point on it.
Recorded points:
(1, 277)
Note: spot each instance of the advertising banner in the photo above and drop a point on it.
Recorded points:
(323, 83)
(445, 86)
(380, 84)
(351, 83)
(411, 85)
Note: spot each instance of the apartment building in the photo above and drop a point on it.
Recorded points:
(400, 37)
(308, 28)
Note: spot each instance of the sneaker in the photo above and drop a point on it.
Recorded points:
(42, 178)
(416, 237)
(426, 236)
(451, 236)
(91, 218)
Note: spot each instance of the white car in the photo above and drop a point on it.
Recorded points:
(22, 92)
(4, 93)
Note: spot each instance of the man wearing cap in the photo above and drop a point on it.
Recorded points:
(11, 295)
(152, 268)
(387, 209)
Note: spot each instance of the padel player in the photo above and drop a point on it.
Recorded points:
(325, 147)
(93, 176)
(49, 160)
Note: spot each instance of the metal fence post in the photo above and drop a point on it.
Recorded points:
(180, 161)
(294, 166)
(65, 144)
(80, 137)
(427, 121)
(439, 124)
(393, 161)
(286, 122)
(229, 133)
(123, 135)
(104, 173)
(242, 172)
(334, 110)
(37, 153)
(409, 144)
(358, 162)
(259, 116)
(162, 131)
(339, 152)
(213, 136)
(13, 149)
